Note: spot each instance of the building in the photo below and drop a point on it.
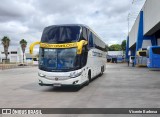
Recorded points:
(115, 53)
(146, 29)
(32, 58)
(112, 55)
(15, 55)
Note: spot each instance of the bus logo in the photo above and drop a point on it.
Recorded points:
(56, 79)
(67, 45)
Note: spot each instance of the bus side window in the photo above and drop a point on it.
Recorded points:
(41, 52)
(84, 56)
(91, 43)
(156, 50)
(84, 34)
(35, 59)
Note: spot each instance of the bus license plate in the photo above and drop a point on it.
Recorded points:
(57, 85)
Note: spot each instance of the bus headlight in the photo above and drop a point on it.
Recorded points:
(75, 74)
(41, 75)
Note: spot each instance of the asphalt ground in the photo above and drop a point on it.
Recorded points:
(119, 87)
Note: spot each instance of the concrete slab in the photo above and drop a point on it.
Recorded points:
(119, 87)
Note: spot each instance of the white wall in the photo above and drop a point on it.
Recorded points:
(115, 53)
(134, 32)
(13, 57)
(151, 14)
(151, 10)
(146, 43)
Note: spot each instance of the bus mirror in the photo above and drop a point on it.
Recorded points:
(32, 46)
(80, 46)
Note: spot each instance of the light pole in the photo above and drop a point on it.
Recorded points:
(128, 22)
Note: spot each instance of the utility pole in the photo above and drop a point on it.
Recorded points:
(128, 22)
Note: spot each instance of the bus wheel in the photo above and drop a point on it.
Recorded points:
(102, 70)
(89, 76)
(89, 79)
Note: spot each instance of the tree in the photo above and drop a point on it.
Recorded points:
(5, 42)
(123, 45)
(115, 47)
(23, 46)
(107, 48)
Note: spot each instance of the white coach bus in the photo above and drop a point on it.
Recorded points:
(69, 55)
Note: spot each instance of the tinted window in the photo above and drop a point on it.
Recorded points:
(13, 52)
(61, 34)
(142, 53)
(59, 59)
(84, 34)
(156, 50)
(91, 43)
(4, 53)
(84, 56)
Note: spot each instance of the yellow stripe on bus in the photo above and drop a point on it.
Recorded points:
(79, 45)
(66, 45)
(32, 46)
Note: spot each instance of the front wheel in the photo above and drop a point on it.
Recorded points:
(102, 70)
(89, 78)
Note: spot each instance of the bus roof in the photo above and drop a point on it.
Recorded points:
(81, 25)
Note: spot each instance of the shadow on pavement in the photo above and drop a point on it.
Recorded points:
(36, 87)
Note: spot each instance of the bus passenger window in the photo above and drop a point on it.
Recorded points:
(156, 50)
(84, 33)
(84, 56)
(91, 43)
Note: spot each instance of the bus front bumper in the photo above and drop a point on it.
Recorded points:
(58, 83)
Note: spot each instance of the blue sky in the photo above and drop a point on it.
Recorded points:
(27, 18)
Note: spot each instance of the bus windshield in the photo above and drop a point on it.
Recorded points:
(61, 34)
(58, 59)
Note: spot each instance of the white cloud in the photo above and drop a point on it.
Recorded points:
(27, 18)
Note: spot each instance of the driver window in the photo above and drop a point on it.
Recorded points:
(84, 56)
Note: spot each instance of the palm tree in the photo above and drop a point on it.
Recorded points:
(23, 46)
(5, 42)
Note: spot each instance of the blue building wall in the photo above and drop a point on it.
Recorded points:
(140, 38)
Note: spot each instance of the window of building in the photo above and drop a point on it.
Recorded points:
(14, 52)
(4, 53)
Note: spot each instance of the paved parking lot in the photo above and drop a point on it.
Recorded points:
(119, 87)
